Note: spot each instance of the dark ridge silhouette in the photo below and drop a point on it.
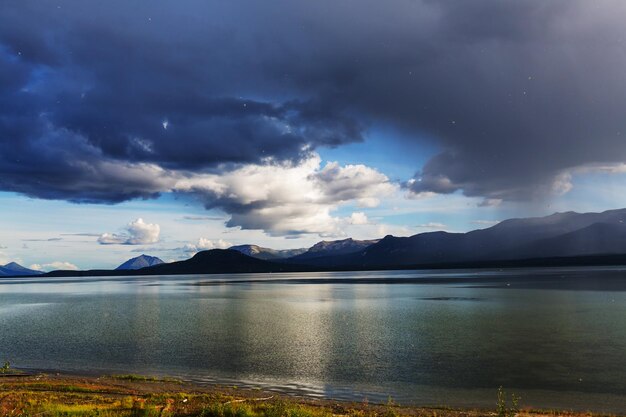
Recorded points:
(215, 261)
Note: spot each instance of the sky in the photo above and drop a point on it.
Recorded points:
(166, 128)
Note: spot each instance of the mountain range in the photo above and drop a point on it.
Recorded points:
(560, 235)
(559, 239)
(320, 249)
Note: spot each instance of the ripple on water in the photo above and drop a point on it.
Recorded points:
(22, 308)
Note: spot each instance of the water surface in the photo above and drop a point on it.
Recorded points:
(555, 336)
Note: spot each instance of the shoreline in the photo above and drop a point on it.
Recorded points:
(121, 395)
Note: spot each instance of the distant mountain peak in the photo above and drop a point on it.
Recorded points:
(325, 245)
(249, 249)
(139, 262)
(334, 247)
(267, 254)
(14, 269)
(562, 214)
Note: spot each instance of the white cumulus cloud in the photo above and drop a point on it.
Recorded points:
(288, 199)
(53, 266)
(432, 225)
(358, 218)
(485, 222)
(137, 232)
(205, 244)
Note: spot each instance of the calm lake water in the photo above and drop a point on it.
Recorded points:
(557, 337)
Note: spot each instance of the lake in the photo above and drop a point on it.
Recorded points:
(555, 336)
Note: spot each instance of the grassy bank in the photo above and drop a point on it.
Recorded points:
(135, 395)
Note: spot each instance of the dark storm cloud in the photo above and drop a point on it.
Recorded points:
(98, 100)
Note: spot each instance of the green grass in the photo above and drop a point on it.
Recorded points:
(144, 378)
(268, 409)
(143, 407)
(69, 397)
(45, 386)
(503, 409)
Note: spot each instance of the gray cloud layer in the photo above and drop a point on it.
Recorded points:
(514, 93)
